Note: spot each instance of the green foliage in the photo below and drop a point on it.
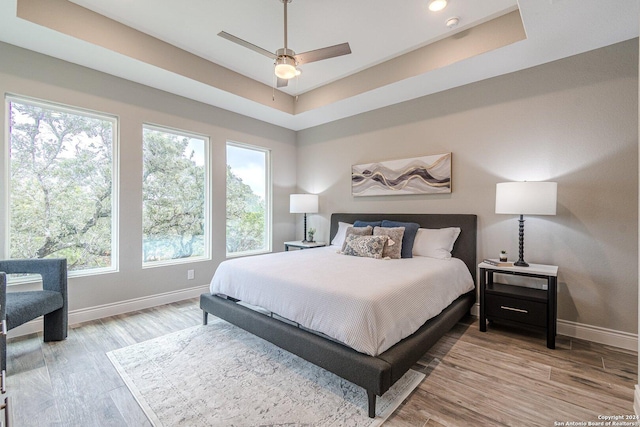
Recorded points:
(61, 183)
(245, 216)
(61, 192)
(173, 197)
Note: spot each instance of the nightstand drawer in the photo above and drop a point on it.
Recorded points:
(517, 310)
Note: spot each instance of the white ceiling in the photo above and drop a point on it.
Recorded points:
(377, 30)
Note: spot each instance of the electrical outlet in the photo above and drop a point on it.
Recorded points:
(190, 274)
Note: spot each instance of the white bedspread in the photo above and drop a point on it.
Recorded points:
(365, 303)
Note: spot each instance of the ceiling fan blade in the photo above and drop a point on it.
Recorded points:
(323, 53)
(246, 44)
(282, 82)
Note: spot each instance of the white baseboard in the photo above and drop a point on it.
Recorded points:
(591, 333)
(113, 309)
(475, 310)
(597, 334)
(636, 400)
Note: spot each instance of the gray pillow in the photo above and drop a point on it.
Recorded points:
(393, 248)
(410, 230)
(357, 231)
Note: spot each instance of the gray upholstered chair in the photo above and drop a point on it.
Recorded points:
(51, 302)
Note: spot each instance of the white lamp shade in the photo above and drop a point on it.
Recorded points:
(526, 198)
(303, 203)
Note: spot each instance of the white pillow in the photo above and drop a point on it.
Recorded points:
(341, 234)
(435, 243)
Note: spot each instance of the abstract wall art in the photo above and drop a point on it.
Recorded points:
(418, 175)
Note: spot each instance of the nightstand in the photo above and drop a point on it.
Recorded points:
(303, 245)
(520, 305)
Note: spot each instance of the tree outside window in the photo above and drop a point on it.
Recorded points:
(61, 184)
(248, 200)
(174, 192)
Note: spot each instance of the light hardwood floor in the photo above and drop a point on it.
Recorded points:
(501, 377)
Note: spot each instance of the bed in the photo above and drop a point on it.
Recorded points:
(376, 372)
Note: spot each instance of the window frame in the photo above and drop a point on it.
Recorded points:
(5, 246)
(207, 197)
(268, 200)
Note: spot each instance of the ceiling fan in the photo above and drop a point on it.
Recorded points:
(286, 60)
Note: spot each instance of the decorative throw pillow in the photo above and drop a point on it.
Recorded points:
(357, 231)
(365, 246)
(410, 230)
(393, 248)
(435, 243)
(341, 234)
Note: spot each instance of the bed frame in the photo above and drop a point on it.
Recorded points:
(376, 374)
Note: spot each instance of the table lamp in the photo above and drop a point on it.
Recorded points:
(526, 198)
(303, 203)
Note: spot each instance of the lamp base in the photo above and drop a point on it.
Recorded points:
(304, 236)
(520, 262)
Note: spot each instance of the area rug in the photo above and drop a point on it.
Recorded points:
(221, 375)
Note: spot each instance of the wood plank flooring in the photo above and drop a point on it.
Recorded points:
(504, 377)
(508, 377)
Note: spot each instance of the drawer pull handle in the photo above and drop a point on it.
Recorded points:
(519, 310)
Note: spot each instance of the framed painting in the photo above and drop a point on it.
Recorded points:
(417, 175)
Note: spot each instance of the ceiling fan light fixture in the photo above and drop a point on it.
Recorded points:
(437, 5)
(286, 67)
(286, 60)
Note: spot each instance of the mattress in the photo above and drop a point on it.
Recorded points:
(367, 304)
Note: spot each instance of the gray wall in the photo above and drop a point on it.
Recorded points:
(574, 121)
(26, 73)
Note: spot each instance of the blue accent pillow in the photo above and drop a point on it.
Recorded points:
(410, 231)
(373, 224)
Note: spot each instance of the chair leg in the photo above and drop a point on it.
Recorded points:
(55, 325)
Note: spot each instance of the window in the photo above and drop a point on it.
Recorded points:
(248, 200)
(61, 185)
(174, 193)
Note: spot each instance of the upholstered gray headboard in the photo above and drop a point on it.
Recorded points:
(465, 247)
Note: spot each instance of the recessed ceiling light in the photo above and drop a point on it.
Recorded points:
(437, 5)
(452, 22)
